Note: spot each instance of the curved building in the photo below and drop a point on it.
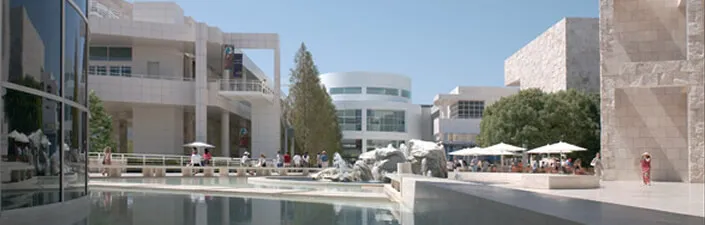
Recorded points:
(43, 112)
(374, 109)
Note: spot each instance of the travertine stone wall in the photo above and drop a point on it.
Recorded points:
(651, 120)
(541, 63)
(564, 56)
(583, 54)
(628, 62)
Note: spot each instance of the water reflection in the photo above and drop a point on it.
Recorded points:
(114, 208)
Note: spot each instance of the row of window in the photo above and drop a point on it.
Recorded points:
(371, 91)
(467, 110)
(353, 147)
(110, 53)
(125, 71)
(377, 120)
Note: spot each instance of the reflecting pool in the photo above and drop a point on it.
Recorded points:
(132, 208)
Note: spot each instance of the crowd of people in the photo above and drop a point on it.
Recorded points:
(560, 165)
(286, 160)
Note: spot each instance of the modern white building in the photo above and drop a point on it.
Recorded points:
(168, 79)
(456, 116)
(374, 109)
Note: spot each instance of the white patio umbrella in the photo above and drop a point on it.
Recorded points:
(503, 149)
(562, 147)
(541, 150)
(468, 152)
(198, 144)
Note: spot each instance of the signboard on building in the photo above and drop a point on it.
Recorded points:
(232, 61)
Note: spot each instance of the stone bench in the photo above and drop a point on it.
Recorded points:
(147, 172)
(187, 171)
(208, 171)
(555, 181)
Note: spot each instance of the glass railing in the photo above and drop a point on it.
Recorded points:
(244, 86)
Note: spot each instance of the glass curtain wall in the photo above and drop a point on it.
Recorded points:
(44, 115)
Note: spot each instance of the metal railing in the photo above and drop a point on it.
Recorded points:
(245, 86)
(138, 159)
(146, 76)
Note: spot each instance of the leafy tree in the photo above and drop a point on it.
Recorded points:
(535, 118)
(24, 110)
(100, 124)
(312, 113)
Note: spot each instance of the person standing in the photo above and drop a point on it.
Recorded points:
(287, 160)
(278, 160)
(597, 165)
(318, 160)
(107, 160)
(195, 158)
(297, 160)
(324, 159)
(646, 168)
(306, 159)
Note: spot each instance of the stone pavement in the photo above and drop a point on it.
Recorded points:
(680, 198)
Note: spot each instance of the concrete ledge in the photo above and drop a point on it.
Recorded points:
(159, 172)
(208, 171)
(186, 171)
(553, 181)
(223, 171)
(532, 180)
(147, 172)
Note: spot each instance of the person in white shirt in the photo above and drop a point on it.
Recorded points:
(297, 160)
(195, 158)
(306, 159)
(262, 161)
(245, 160)
(278, 160)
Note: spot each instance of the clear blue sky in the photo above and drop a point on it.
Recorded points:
(440, 44)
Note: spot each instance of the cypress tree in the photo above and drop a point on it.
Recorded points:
(312, 111)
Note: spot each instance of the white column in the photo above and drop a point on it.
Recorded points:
(225, 133)
(201, 82)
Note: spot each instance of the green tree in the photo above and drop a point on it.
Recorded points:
(535, 118)
(24, 110)
(312, 113)
(100, 125)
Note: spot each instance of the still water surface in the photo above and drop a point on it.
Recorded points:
(129, 208)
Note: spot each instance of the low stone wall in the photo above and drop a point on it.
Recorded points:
(480, 177)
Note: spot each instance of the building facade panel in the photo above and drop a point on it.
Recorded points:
(43, 121)
(652, 88)
(374, 110)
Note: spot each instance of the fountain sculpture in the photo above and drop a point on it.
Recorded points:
(426, 158)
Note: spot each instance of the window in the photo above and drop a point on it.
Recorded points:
(351, 148)
(405, 93)
(110, 53)
(120, 54)
(115, 70)
(375, 144)
(345, 90)
(386, 120)
(92, 70)
(382, 91)
(391, 91)
(126, 71)
(467, 110)
(101, 70)
(98, 53)
(350, 119)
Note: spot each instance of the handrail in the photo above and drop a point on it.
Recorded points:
(143, 159)
(146, 76)
(240, 85)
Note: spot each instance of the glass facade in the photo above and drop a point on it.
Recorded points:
(467, 110)
(345, 90)
(44, 116)
(350, 119)
(382, 91)
(374, 144)
(386, 120)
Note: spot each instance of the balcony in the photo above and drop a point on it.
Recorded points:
(245, 90)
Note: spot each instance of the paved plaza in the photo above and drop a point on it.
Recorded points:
(681, 198)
